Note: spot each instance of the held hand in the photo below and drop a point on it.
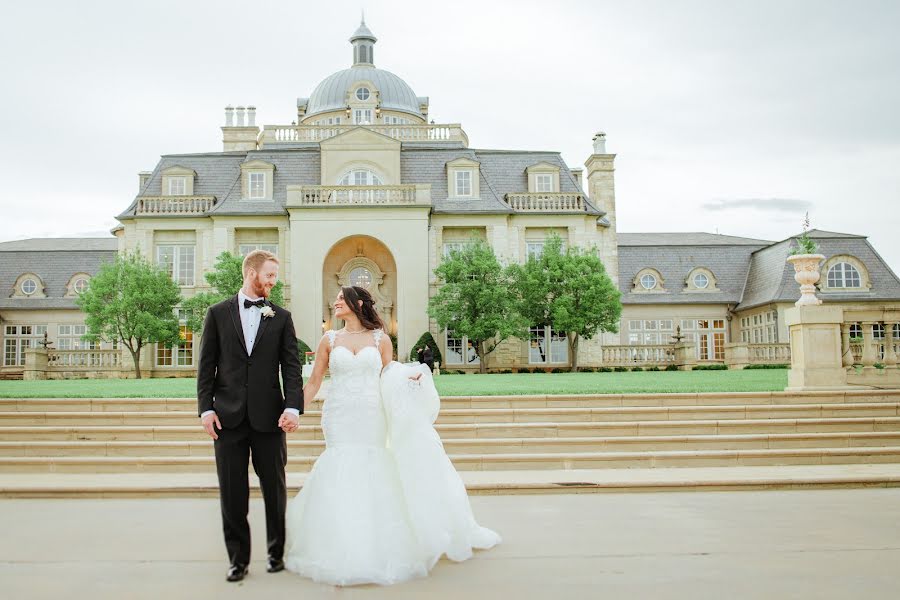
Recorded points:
(416, 377)
(288, 422)
(210, 422)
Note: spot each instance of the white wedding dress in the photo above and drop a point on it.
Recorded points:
(372, 514)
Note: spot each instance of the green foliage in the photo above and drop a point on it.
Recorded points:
(604, 369)
(636, 369)
(475, 299)
(302, 348)
(805, 244)
(570, 291)
(620, 369)
(711, 367)
(671, 367)
(767, 366)
(133, 301)
(226, 279)
(426, 339)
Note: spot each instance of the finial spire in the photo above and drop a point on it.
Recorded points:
(363, 42)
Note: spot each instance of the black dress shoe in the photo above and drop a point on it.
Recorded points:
(236, 572)
(274, 565)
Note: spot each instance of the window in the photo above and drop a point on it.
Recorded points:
(650, 331)
(451, 247)
(245, 249)
(648, 281)
(463, 183)
(360, 177)
(844, 275)
(19, 338)
(80, 285)
(362, 116)
(543, 182)
(460, 351)
(711, 339)
(361, 277)
(701, 281)
(257, 185)
(69, 338)
(177, 186)
(362, 93)
(182, 353)
(329, 121)
(547, 346)
(178, 262)
(761, 328)
(29, 286)
(855, 331)
(391, 120)
(534, 250)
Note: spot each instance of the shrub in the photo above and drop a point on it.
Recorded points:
(426, 340)
(620, 369)
(302, 348)
(558, 370)
(768, 366)
(635, 369)
(604, 369)
(506, 372)
(671, 367)
(878, 366)
(712, 367)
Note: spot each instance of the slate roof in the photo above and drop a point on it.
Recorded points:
(675, 255)
(55, 261)
(501, 172)
(771, 279)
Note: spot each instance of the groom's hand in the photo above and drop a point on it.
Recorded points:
(288, 422)
(210, 422)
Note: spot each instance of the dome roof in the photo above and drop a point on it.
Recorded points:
(331, 93)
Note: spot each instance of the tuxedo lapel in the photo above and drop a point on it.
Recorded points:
(236, 321)
(263, 322)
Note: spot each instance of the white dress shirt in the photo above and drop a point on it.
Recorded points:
(250, 319)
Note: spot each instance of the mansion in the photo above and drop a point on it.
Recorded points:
(362, 188)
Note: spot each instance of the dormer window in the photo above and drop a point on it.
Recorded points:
(28, 285)
(648, 281)
(77, 284)
(257, 185)
(844, 273)
(362, 94)
(464, 183)
(543, 182)
(699, 280)
(177, 186)
(178, 181)
(360, 177)
(462, 178)
(543, 178)
(257, 177)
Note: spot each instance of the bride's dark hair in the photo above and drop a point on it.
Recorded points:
(367, 315)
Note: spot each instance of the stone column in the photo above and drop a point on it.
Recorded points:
(36, 364)
(869, 357)
(737, 355)
(685, 356)
(890, 357)
(846, 352)
(815, 335)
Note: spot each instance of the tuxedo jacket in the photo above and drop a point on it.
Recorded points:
(239, 386)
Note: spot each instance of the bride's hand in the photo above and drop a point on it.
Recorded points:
(416, 377)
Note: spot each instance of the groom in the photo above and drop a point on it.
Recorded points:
(245, 340)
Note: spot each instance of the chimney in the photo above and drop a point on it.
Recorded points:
(577, 174)
(251, 116)
(143, 178)
(240, 116)
(240, 134)
(229, 116)
(600, 142)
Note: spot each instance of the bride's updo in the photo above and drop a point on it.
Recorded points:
(367, 315)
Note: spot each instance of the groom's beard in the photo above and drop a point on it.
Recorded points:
(260, 289)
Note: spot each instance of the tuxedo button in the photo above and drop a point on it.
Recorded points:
(249, 363)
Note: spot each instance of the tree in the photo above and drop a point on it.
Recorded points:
(475, 299)
(226, 279)
(133, 301)
(426, 339)
(569, 291)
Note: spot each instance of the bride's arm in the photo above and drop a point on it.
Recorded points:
(387, 356)
(315, 380)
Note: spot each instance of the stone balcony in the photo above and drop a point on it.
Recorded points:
(286, 135)
(336, 196)
(175, 205)
(547, 202)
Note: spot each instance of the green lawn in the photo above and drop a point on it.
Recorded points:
(448, 385)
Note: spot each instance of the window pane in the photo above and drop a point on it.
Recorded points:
(648, 282)
(537, 351)
(165, 259)
(257, 185)
(543, 183)
(559, 347)
(534, 249)
(454, 351)
(463, 183)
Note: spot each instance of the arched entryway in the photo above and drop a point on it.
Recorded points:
(364, 261)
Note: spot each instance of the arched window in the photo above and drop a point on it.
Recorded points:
(360, 177)
(361, 277)
(843, 275)
(648, 281)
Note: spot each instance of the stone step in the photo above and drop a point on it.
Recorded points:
(479, 430)
(509, 402)
(486, 462)
(299, 448)
(547, 481)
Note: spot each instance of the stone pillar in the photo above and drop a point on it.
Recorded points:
(737, 355)
(685, 356)
(869, 357)
(815, 335)
(890, 357)
(36, 364)
(846, 352)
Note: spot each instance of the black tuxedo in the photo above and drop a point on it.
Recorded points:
(245, 393)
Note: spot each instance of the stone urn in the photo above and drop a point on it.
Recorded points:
(806, 273)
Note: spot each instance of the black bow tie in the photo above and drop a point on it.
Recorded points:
(257, 303)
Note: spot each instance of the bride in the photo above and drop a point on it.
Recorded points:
(383, 503)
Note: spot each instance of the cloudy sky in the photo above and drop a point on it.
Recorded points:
(727, 116)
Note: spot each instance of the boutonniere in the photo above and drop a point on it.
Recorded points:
(267, 312)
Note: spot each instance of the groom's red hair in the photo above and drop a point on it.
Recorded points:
(256, 259)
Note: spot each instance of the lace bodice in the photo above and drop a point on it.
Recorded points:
(352, 413)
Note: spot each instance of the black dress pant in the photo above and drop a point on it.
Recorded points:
(234, 449)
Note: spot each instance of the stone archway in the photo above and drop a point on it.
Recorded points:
(366, 261)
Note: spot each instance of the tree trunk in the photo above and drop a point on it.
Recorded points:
(136, 357)
(573, 351)
(482, 359)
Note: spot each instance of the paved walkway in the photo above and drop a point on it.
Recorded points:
(824, 544)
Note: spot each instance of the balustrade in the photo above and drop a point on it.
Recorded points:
(357, 195)
(650, 355)
(175, 205)
(64, 360)
(299, 134)
(769, 353)
(546, 202)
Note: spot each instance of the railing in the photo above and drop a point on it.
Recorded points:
(175, 205)
(356, 195)
(546, 202)
(769, 353)
(299, 134)
(621, 356)
(84, 359)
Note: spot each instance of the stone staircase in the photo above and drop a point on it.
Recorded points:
(500, 444)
